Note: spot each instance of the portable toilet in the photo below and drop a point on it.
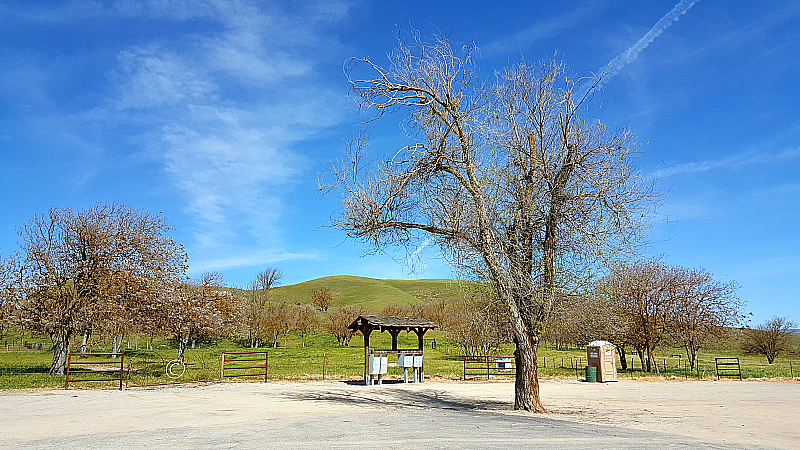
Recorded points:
(603, 355)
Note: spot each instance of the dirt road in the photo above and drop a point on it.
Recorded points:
(627, 414)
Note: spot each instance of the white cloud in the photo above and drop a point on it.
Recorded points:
(541, 29)
(224, 111)
(733, 162)
(154, 78)
(248, 259)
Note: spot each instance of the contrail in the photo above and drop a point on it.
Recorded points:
(419, 249)
(630, 54)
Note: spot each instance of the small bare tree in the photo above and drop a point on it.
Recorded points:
(702, 309)
(305, 320)
(638, 292)
(396, 311)
(189, 311)
(253, 310)
(770, 338)
(277, 321)
(339, 320)
(322, 298)
(6, 296)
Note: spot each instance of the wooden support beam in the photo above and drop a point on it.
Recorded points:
(394, 333)
(367, 330)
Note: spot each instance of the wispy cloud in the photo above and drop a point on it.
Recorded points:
(737, 161)
(544, 29)
(224, 111)
(249, 259)
(629, 55)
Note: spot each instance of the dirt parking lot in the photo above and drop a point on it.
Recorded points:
(627, 414)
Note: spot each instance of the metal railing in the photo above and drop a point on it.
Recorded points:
(480, 366)
(728, 367)
(94, 367)
(233, 366)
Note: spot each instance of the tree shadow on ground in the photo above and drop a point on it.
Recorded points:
(24, 370)
(390, 397)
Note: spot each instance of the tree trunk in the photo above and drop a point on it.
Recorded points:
(60, 339)
(526, 385)
(691, 354)
(651, 359)
(84, 340)
(623, 358)
(182, 348)
(640, 353)
(116, 343)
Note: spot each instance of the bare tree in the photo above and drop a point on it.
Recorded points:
(305, 320)
(477, 324)
(6, 296)
(268, 279)
(67, 259)
(189, 311)
(396, 311)
(770, 338)
(322, 298)
(639, 293)
(339, 320)
(581, 319)
(276, 321)
(253, 310)
(510, 179)
(701, 309)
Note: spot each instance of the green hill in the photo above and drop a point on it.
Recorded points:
(371, 293)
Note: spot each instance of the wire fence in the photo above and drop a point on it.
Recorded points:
(29, 366)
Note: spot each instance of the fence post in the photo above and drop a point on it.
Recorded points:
(222, 366)
(66, 382)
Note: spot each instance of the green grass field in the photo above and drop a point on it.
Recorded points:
(23, 368)
(28, 368)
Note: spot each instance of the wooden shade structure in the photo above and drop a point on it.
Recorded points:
(394, 325)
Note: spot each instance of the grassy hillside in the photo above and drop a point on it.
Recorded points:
(371, 293)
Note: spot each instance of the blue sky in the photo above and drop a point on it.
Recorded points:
(220, 114)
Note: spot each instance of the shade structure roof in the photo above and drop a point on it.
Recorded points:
(381, 323)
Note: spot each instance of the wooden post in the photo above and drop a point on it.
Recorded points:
(367, 331)
(222, 366)
(394, 334)
(421, 344)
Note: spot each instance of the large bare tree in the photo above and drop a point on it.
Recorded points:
(70, 262)
(510, 178)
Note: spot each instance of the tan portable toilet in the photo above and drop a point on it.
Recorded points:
(603, 355)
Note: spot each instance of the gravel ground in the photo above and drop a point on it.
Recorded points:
(628, 414)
